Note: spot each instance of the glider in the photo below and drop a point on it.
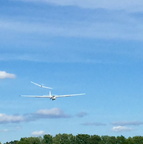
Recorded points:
(42, 86)
(52, 97)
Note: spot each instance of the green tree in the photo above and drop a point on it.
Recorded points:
(121, 140)
(57, 139)
(30, 140)
(12, 142)
(130, 140)
(95, 139)
(137, 140)
(108, 140)
(47, 139)
(82, 139)
(64, 139)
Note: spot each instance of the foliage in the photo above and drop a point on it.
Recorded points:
(47, 139)
(78, 139)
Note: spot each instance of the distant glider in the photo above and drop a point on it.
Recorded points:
(42, 86)
(52, 97)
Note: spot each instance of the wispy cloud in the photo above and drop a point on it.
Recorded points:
(93, 124)
(38, 133)
(4, 130)
(97, 29)
(4, 118)
(108, 20)
(121, 128)
(69, 23)
(123, 125)
(99, 23)
(51, 113)
(110, 4)
(127, 123)
(82, 114)
(4, 75)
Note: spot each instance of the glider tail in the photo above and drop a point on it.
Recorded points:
(50, 94)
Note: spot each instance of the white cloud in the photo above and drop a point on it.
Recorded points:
(54, 111)
(38, 133)
(4, 118)
(51, 113)
(121, 128)
(4, 75)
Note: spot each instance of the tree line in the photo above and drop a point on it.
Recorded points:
(78, 139)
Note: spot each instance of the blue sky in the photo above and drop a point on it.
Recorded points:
(92, 47)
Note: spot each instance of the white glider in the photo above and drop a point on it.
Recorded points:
(52, 97)
(42, 86)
